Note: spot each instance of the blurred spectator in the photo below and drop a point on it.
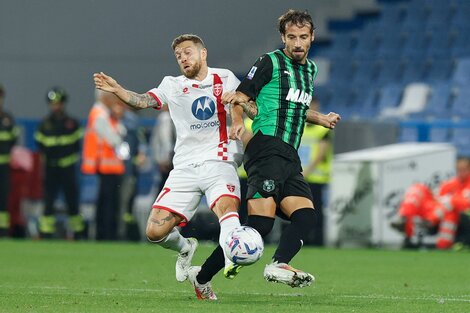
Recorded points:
(103, 153)
(421, 209)
(135, 137)
(8, 136)
(163, 144)
(316, 155)
(58, 137)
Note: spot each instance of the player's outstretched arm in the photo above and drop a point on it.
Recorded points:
(133, 99)
(239, 98)
(329, 120)
(239, 103)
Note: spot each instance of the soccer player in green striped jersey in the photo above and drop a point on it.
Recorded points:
(281, 83)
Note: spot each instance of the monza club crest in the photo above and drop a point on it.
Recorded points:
(218, 90)
(231, 187)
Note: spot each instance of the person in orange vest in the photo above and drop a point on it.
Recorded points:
(421, 208)
(454, 194)
(103, 153)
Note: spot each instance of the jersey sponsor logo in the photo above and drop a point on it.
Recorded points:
(299, 96)
(268, 185)
(205, 125)
(218, 90)
(251, 73)
(185, 90)
(231, 187)
(287, 73)
(203, 108)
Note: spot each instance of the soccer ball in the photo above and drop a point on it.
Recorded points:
(244, 245)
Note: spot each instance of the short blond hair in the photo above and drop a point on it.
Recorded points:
(187, 37)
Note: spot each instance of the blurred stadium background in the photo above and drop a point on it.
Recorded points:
(396, 70)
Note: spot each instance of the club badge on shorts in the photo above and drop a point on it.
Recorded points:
(231, 187)
(268, 185)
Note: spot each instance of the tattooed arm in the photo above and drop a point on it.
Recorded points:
(250, 109)
(139, 101)
(132, 99)
(329, 120)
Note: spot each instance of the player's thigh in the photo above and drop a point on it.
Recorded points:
(291, 204)
(296, 195)
(180, 195)
(262, 207)
(221, 186)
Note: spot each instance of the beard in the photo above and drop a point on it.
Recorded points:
(298, 57)
(192, 71)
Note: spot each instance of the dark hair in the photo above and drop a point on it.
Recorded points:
(187, 37)
(296, 17)
(2, 92)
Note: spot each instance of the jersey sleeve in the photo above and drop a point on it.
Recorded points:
(160, 94)
(259, 75)
(232, 82)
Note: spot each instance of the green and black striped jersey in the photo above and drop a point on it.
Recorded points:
(283, 90)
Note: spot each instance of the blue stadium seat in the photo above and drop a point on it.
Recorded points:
(391, 14)
(367, 44)
(415, 18)
(460, 20)
(461, 45)
(439, 69)
(321, 92)
(343, 44)
(391, 44)
(341, 70)
(439, 13)
(390, 96)
(461, 105)
(415, 45)
(408, 134)
(439, 43)
(461, 140)
(413, 69)
(390, 71)
(439, 134)
(365, 101)
(438, 105)
(365, 72)
(462, 72)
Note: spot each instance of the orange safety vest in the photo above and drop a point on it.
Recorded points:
(459, 202)
(98, 155)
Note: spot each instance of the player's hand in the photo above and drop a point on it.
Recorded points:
(331, 120)
(234, 97)
(105, 82)
(228, 97)
(236, 130)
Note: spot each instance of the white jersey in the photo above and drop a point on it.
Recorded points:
(201, 119)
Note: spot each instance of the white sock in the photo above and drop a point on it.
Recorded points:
(174, 241)
(227, 222)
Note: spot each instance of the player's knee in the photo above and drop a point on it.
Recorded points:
(156, 234)
(303, 220)
(263, 224)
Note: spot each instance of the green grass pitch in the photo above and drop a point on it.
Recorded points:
(58, 276)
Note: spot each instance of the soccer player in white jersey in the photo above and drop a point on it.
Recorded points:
(205, 160)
